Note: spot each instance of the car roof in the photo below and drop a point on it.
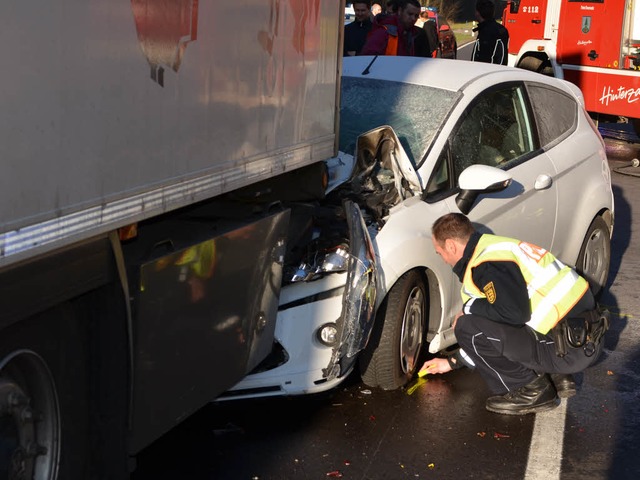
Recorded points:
(445, 74)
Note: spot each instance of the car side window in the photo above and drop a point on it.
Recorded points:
(556, 113)
(495, 130)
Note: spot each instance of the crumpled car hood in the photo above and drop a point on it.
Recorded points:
(381, 148)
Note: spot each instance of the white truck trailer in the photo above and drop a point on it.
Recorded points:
(134, 286)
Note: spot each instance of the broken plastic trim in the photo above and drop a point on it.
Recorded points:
(359, 298)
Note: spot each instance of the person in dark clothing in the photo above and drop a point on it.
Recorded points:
(431, 33)
(396, 34)
(391, 7)
(492, 43)
(517, 298)
(355, 33)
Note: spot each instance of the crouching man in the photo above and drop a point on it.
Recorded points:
(528, 321)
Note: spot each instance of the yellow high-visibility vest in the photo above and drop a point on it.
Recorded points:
(553, 288)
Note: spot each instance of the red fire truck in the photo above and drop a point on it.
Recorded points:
(592, 43)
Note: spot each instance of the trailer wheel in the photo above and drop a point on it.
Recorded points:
(30, 419)
(595, 256)
(43, 415)
(391, 358)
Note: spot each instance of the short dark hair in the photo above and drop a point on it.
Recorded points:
(454, 226)
(486, 9)
(366, 2)
(402, 4)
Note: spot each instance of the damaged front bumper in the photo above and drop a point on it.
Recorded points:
(304, 360)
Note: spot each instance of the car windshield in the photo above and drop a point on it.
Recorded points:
(415, 112)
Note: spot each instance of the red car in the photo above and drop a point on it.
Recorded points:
(448, 46)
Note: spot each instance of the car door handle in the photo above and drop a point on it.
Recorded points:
(542, 182)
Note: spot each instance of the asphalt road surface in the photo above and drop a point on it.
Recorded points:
(441, 430)
(465, 51)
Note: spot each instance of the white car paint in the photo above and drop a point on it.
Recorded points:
(551, 200)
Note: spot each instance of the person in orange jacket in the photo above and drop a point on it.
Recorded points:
(397, 34)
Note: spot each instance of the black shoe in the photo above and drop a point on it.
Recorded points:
(565, 384)
(537, 396)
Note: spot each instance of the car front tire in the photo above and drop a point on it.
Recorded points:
(391, 357)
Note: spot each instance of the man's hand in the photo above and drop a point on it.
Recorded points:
(435, 365)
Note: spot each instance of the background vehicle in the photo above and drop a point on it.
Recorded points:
(134, 287)
(349, 13)
(592, 43)
(494, 142)
(448, 47)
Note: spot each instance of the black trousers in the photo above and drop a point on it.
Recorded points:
(510, 356)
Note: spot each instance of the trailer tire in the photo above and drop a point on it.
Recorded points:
(43, 395)
(391, 357)
(595, 256)
(30, 447)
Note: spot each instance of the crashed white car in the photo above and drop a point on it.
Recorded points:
(363, 286)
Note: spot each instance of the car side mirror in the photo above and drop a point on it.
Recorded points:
(514, 6)
(478, 179)
(445, 28)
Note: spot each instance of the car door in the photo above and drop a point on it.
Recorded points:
(574, 152)
(498, 129)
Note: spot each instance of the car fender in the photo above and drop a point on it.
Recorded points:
(579, 224)
(405, 244)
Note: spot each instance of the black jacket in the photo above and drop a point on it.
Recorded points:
(492, 43)
(355, 34)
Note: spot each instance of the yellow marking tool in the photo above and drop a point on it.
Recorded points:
(424, 372)
(416, 383)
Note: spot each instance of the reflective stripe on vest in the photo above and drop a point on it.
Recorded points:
(553, 288)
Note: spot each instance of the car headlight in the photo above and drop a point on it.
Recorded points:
(335, 261)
